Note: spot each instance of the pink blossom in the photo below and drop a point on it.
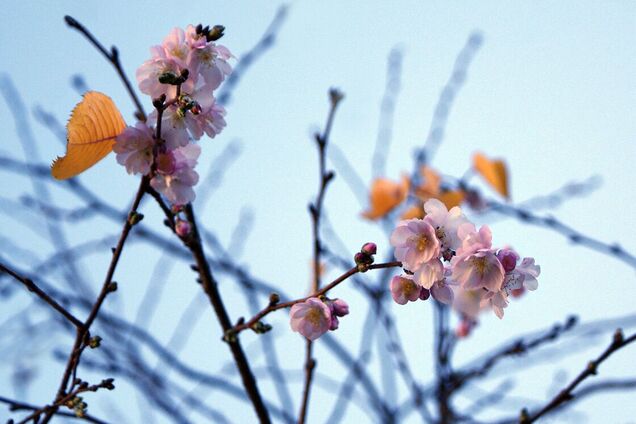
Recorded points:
(480, 269)
(148, 73)
(193, 39)
(311, 318)
(404, 289)
(429, 273)
(211, 62)
(497, 301)
(523, 277)
(175, 47)
(166, 163)
(415, 243)
(445, 222)
(210, 121)
(530, 271)
(467, 302)
(177, 187)
(206, 117)
(442, 292)
(134, 148)
(473, 240)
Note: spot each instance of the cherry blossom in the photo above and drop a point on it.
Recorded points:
(445, 222)
(404, 289)
(311, 318)
(133, 148)
(477, 270)
(415, 243)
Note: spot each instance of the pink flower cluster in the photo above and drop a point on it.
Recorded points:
(181, 77)
(446, 257)
(315, 316)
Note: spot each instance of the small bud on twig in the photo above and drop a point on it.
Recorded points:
(274, 298)
(134, 218)
(94, 342)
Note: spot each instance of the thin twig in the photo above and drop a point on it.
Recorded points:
(210, 287)
(251, 323)
(83, 332)
(315, 209)
(14, 405)
(565, 395)
(32, 287)
(113, 58)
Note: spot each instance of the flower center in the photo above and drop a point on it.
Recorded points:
(179, 52)
(314, 316)
(207, 56)
(480, 265)
(408, 287)
(422, 242)
(440, 233)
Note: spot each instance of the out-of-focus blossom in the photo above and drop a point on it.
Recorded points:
(473, 240)
(445, 222)
(442, 292)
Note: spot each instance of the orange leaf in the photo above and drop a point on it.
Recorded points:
(91, 132)
(413, 212)
(451, 198)
(385, 195)
(494, 172)
(430, 187)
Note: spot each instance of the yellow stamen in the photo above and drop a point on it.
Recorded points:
(480, 265)
(422, 242)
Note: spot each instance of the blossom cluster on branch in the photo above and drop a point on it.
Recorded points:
(446, 257)
(181, 77)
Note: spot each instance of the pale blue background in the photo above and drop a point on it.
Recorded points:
(551, 90)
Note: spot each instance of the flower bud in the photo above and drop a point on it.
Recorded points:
(182, 228)
(94, 342)
(369, 248)
(169, 78)
(274, 298)
(215, 33)
(339, 307)
(334, 323)
(508, 259)
(424, 293)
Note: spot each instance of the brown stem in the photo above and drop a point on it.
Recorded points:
(315, 210)
(323, 291)
(113, 58)
(210, 287)
(83, 331)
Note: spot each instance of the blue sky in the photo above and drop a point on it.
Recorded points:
(551, 90)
